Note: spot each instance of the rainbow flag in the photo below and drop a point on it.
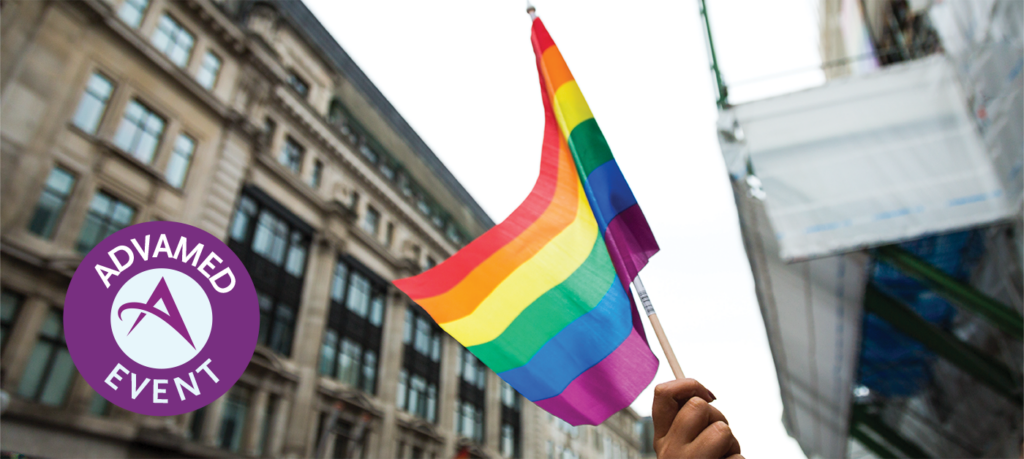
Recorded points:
(543, 298)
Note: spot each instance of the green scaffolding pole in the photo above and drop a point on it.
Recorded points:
(972, 361)
(862, 417)
(998, 314)
(879, 449)
(722, 96)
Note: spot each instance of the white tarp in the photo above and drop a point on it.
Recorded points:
(867, 160)
(812, 312)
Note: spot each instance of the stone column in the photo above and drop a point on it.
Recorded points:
(492, 412)
(391, 352)
(278, 424)
(211, 421)
(254, 421)
(449, 393)
(24, 334)
(308, 334)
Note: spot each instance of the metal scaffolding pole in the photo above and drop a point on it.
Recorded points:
(862, 417)
(972, 361)
(998, 314)
(722, 92)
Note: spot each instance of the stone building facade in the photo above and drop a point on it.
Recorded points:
(248, 120)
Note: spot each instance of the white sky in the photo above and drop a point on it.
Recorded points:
(463, 74)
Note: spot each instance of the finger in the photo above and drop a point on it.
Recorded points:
(695, 416)
(716, 440)
(669, 396)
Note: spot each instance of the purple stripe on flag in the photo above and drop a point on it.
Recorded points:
(607, 387)
(630, 242)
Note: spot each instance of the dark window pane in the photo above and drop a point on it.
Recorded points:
(105, 217)
(51, 202)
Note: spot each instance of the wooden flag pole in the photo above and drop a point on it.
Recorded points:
(677, 371)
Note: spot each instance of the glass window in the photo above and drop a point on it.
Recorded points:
(435, 347)
(281, 332)
(403, 380)
(131, 12)
(327, 352)
(431, 414)
(94, 102)
(208, 70)
(291, 155)
(266, 316)
(298, 84)
(339, 281)
(509, 397)
(377, 310)
(368, 153)
(10, 303)
(296, 263)
(359, 295)
(140, 131)
(99, 406)
(389, 235)
(417, 396)
(508, 441)
(369, 372)
(371, 221)
(243, 216)
(195, 426)
(233, 418)
(422, 341)
(173, 40)
(50, 370)
(317, 175)
(106, 216)
(51, 203)
(181, 157)
(407, 331)
(270, 238)
(348, 362)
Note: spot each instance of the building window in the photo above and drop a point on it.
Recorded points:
(421, 362)
(50, 370)
(93, 104)
(371, 221)
(99, 406)
(106, 216)
(208, 70)
(131, 12)
(51, 202)
(351, 344)
(195, 426)
(317, 175)
(181, 157)
(232, 424)
(139, 133)
(10, 304)
(273, 246)
(387, 169)
(389, 235)
(173, 40)
(511, 406)
(298, 84)
(291, 155)
(473, 377)
(368, 153)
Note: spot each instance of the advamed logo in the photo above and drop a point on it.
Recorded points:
(161, 318)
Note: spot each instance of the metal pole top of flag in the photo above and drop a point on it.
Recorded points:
(531, 10)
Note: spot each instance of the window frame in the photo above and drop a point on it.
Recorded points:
(298, 84)
(291, 150)
(350, 325)
(215, 74)
(51, 231)
(140, 127)
(172, 39)
(57, 344)
(141, 13)
(7, 325)
(422, 363)
(106, 219)
(472, 393)
(103, 101)
(179, 183)
(276, 284)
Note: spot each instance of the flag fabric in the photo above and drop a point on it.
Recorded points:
(543, 298)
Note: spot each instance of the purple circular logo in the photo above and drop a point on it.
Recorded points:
(161, 318)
